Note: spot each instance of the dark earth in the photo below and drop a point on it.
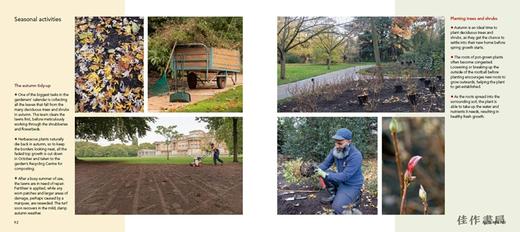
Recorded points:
(311, 204)
(388, 100)
(114, 188)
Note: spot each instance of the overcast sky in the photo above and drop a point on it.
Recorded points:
(184, 126)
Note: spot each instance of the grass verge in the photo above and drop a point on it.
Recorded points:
(156, 160)
(228, 101)
(297, 72)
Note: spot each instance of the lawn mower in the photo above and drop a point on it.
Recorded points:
(197, 160)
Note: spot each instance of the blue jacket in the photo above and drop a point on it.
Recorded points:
(216, 153)
(348, 168)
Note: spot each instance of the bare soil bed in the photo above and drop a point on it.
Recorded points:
(388, 100)
(114, 188)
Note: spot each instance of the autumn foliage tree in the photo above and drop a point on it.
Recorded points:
(295, 31)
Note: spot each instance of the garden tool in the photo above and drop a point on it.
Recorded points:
(161, 86)
(331, 189)
(177, 95)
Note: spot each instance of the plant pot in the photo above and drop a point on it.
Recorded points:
(427, 83)
(432, 88)
(398, 89)
(362, 99)
(422, 79)
(412, 98)
(439, 78)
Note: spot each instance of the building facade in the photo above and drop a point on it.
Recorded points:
(196, 143)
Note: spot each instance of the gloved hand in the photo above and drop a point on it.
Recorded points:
(320, 173)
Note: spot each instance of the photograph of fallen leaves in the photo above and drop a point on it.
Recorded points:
(413, 165)
(109, 54)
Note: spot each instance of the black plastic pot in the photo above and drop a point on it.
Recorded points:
(427, 83)
(422, 79)
(398, 89)
(432, 88)
(412, 98)
(439, 78)
(362, 99)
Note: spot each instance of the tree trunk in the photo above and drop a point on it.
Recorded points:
(328, 61)
(235, 140)
(167, 151)
(282, 65)
(375, 45)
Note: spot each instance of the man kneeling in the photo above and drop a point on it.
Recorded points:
(344, 185)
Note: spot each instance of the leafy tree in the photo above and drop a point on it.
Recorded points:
(224, 32)
(131, 150)
(330, 40)
(87, 149)
(227, 129)
(311, 137)
(295, 31)
(146, 146)
(114, 150)
(427, 37)
(169, 133)
(111, 128)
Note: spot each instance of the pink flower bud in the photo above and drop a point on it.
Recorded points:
(411, 164)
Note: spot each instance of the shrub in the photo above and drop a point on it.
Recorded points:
(293, 175)
(291, 58)
(311, 138)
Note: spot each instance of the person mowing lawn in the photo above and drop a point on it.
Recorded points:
(344, 185)
(216, 154)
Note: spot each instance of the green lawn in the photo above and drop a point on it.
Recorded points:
(157, 160)
(296, 72)
(228, 101)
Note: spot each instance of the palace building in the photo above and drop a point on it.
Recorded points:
(196, 143)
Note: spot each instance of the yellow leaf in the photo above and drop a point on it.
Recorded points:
(96, 59)
(93, 77)
(135, 27)
(94, 67)
(119, 107)
(128, 29)
(125, 46)
(108, 72)
(125, 62)
(86, 37)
